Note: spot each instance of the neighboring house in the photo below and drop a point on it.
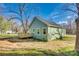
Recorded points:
(10, 32)
(44, 30)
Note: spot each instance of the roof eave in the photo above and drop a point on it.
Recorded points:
(55, 26)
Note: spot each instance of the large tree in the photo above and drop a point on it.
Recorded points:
(77, 25)
(21, 9)
(20, 14)
(65, 8)
(77, 29)
(23, 13)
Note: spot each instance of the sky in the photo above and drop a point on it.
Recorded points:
(50, 11)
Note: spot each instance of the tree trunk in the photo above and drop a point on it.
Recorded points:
(24, 30)
(77, 30)
(77, 35)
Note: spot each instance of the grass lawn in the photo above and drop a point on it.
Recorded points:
(66, 51)
(69, 37)
(8, 35)
(36, 48)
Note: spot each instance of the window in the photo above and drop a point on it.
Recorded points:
(44, 31)
(38, 31)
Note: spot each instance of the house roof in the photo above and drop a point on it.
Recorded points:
(48, 23)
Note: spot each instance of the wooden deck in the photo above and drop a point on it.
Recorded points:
(25, 35)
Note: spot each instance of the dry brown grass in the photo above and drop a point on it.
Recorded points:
(55, 44)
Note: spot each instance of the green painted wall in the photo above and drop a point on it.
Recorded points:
(36, 26)
(51, 32)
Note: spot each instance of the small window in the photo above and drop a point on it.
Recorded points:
(44, 31)
(38, 31)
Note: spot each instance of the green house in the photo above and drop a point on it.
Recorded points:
(43, 30)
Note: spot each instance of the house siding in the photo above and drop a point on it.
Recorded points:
(36, 29)
(52, 33)
(36, 26)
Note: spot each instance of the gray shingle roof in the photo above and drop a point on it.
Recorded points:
(48, 23)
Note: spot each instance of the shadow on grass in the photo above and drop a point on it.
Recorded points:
(38, 52)
(28, 53)
(24, 40)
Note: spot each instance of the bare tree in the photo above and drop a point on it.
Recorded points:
(77, 25)
(59, 34)
(21, 10)
(77, 30)
(77, 22)
(20, 14)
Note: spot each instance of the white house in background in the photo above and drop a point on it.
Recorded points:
(10, 32)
